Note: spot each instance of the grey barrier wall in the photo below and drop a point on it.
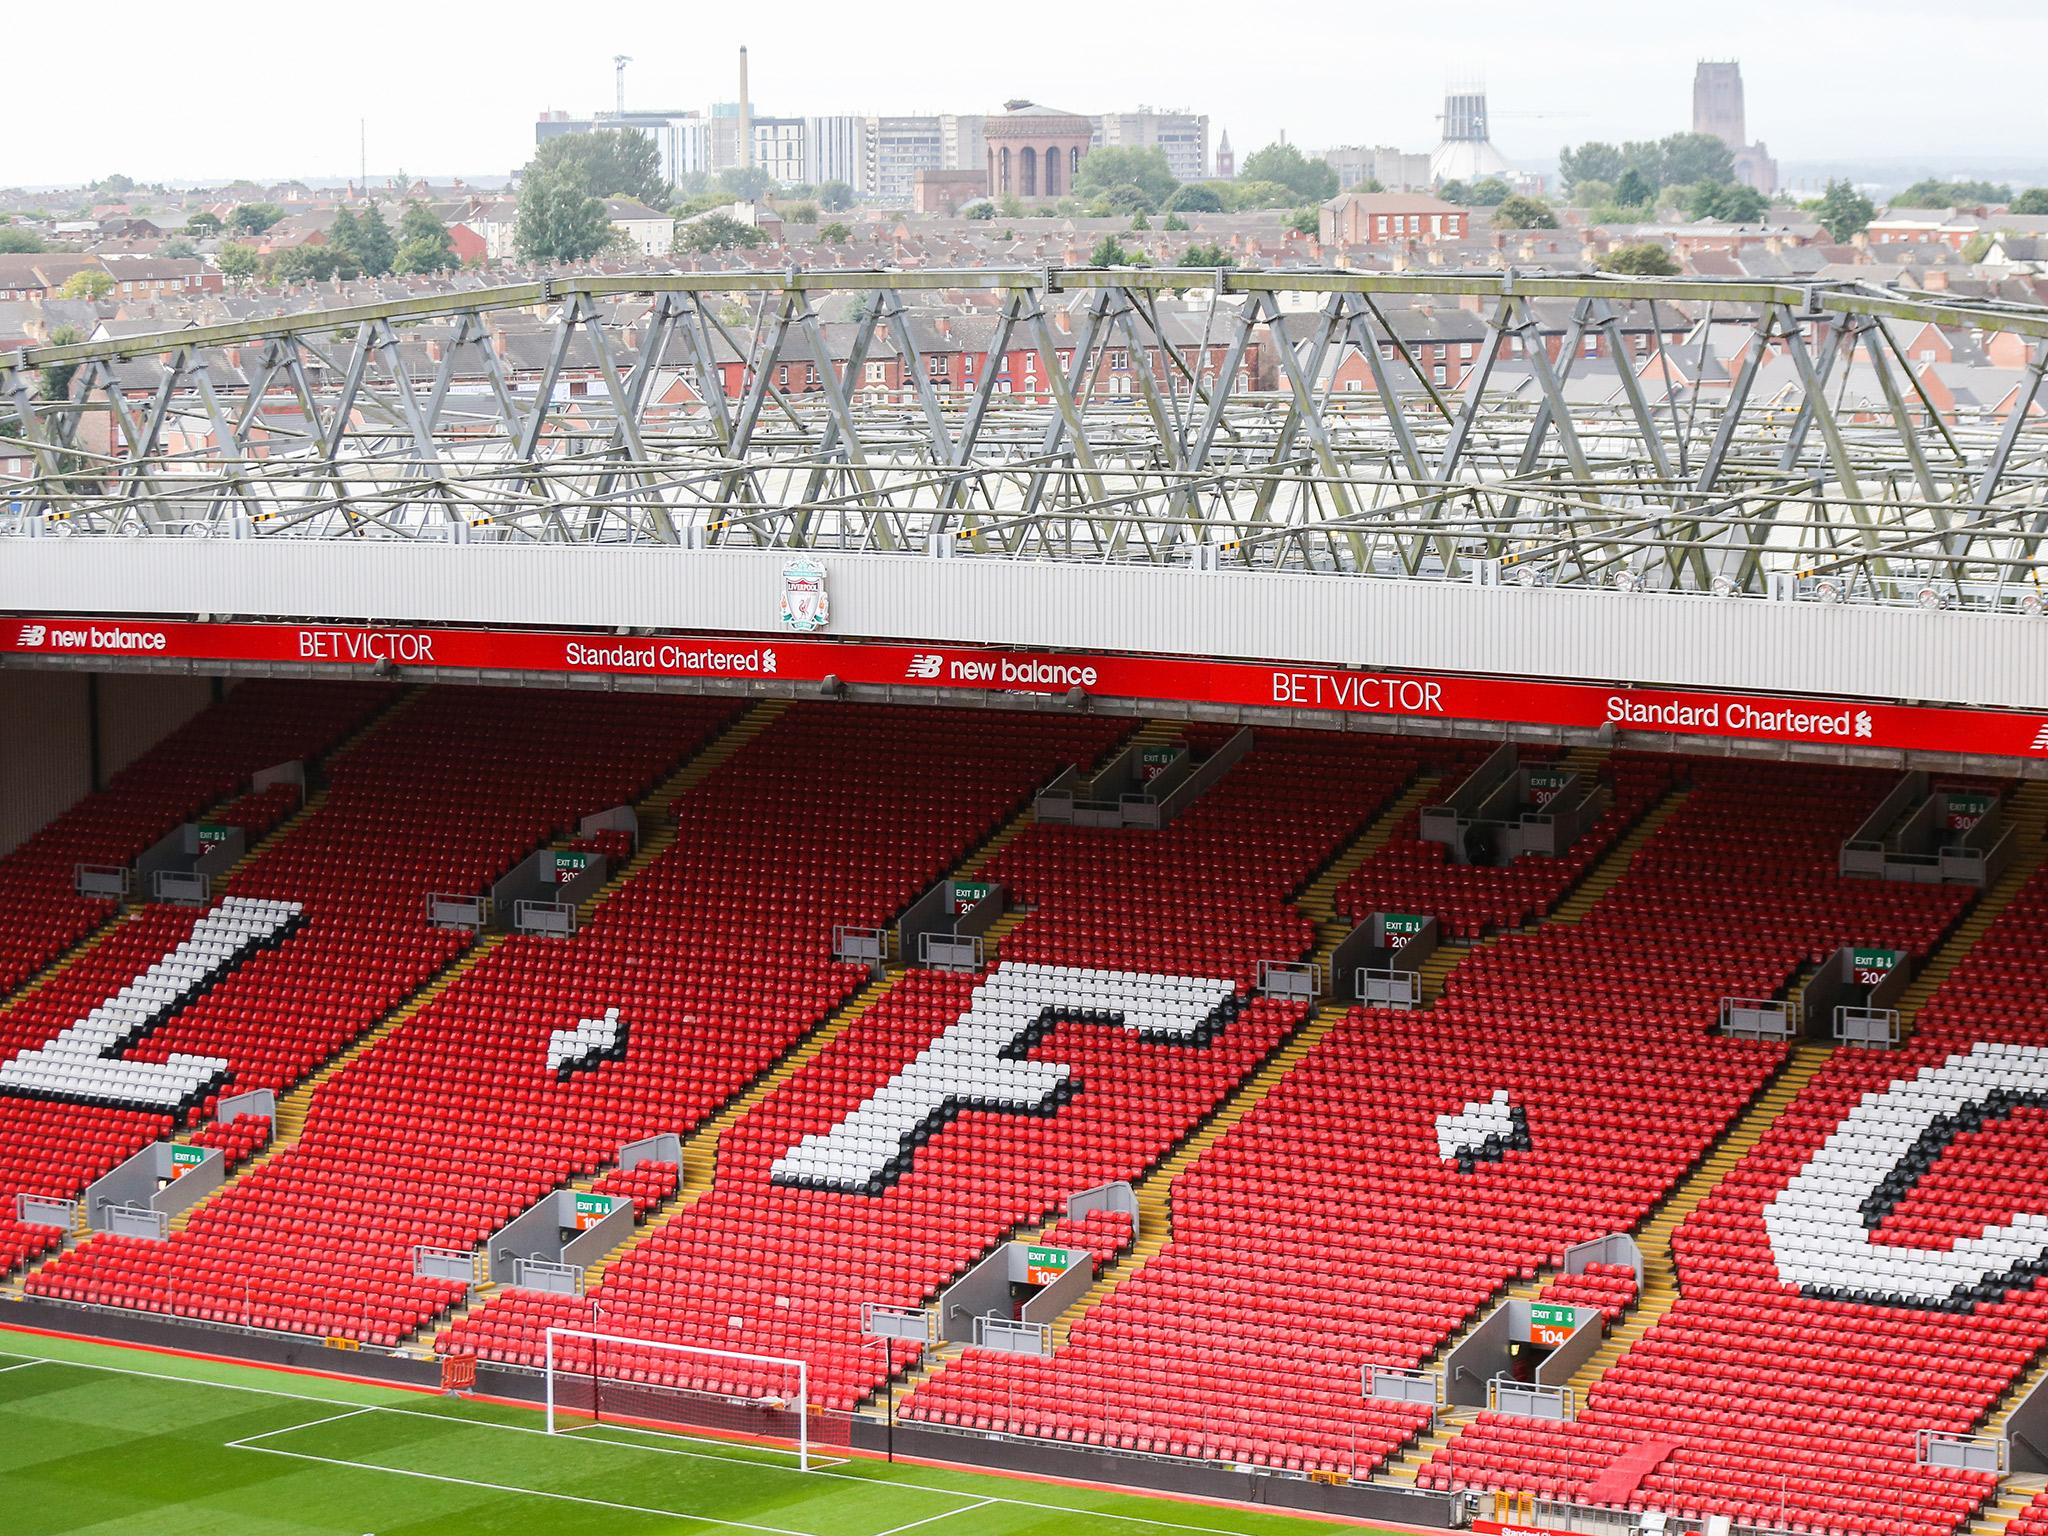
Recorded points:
(1907, 838)
(258, 1101)
(664, 1148)
(985, 1290)
(1116, 796)
(293, 772)
(2027, 1428)
(1498, 793)
(930, 932)
(132, 1186)
(537, 899)
(620, 818)
(105, 880)
(1215, 1480)
(1615, 1248)
(1379, 972)
(1114, 1196)
(445, 910)
(1047, 1306)
(1483, 1354)
(457, 1264)
(536, 1236)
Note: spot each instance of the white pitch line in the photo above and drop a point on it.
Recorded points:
(964, 1509)
(24, 1365)
(845, 1477)
(780, 1460)
(248, 1442)
(532, 1493)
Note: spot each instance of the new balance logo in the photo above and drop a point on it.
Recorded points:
(925, 666)
(2041, 739)
(31, 636)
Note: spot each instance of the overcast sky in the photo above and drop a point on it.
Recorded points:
(225, 87)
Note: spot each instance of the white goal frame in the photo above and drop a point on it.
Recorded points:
(802, 1405)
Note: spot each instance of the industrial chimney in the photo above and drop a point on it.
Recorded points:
(746, 117)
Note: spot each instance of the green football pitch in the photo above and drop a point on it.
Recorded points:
(118, 1442)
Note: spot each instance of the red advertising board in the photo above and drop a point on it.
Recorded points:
(1999, 733)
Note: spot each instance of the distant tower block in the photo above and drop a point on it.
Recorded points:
(1717, 101)
(1717, 109)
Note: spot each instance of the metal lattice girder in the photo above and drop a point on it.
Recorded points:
(1293, 420)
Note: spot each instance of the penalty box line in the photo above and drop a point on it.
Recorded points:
(1155, 1522)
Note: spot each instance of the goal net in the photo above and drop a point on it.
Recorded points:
(602, 1378)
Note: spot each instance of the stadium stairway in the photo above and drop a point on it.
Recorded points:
(700, 1147)
(1660, 1273)
(294, 1107)
(1154, 1192)
(2015, 1496)
(2029, 811)
(1403, 1468)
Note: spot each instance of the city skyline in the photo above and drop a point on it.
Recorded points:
(1616, 73)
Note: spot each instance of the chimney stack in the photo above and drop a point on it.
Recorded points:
(746, 117)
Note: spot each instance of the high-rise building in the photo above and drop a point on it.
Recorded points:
(894, 150)
(779, 148)
(1182, 136)
(1394, 169)
(1717, 109)
(961, 143)
(832, 150)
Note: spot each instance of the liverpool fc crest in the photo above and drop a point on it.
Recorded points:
(805, 607)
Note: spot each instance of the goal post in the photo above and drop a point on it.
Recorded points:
(597, 1378)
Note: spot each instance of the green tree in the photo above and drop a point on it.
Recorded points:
(114, 186)
(1174, 222)
(612, 162)
(1645, 260)
(1729, 202)
(423, 242)
(982, 210)
(718, 232)
(1210, 255)
(1111, 252)
(1591, 161)
(1194, 198)
(1523, 213)
(1261, 194)
(19, 242)
(1633, 189)
(835, 197)
(2033, 201)
(178, 250)
(1844, 212)
(1931, 193)
(1694, 157)
(254, 218)
(837, 233)
(558, 223)
(92, 283)
(1129, 179)
(1306, 221)
(1489, 192)
(1976, 248)
(344, 244)
(237, 261)
(57, 377)
(801, 213)
(203, 223)
(1139, 221)
(293, 264)
(376, 250)
(745, 186)
(1309, 180)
